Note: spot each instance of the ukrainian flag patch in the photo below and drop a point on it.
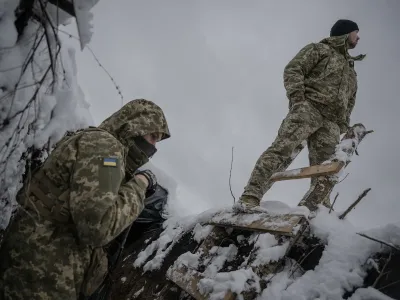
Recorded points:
(109, 162)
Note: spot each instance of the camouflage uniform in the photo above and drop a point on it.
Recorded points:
(321, 85)
(53, 249)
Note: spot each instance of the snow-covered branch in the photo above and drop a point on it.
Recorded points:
(39, 96)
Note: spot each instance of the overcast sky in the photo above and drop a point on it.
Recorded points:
(216, 67)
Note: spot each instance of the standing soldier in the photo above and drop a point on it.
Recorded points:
(77, 202)
(321, 85)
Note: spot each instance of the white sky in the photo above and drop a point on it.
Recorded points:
(216, 67)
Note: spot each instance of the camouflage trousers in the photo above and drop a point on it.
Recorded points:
(303, 122)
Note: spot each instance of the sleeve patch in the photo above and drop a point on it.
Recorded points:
(110, 162)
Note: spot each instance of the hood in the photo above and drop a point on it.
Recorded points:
(339, 43)
(136, 118)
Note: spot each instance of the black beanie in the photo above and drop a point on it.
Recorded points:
(342, 27)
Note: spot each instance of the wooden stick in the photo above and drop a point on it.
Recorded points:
(334, 201)
(307, 172)
(363, 194)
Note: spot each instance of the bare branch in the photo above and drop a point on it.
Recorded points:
(230, 176)
(334, 201)
(379, 241)
(363, 194)
(383, 269)
(344, 178)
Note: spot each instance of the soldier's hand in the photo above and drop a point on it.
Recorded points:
(147, 175)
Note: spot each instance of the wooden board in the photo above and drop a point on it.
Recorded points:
(261, 222)
(307, 172)
(188, 280)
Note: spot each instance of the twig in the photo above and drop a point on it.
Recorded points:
(344, 178)
(334, 201)
(383, 269)
(230, 176)
(303, 258)
(379, 241)
(394, 282)
(363, 194)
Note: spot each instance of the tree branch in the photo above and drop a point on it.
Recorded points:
(379, 241)
(363, 194)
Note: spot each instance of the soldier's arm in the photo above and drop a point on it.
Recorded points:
(101, 205)
(296, 70)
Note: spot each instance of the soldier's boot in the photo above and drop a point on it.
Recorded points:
(248, 203)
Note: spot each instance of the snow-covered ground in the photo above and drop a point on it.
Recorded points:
(342, 267)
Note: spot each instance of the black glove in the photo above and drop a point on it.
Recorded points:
(151, 178)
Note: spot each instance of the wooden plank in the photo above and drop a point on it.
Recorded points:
(188, 280)
(260, 222)
(307, 172)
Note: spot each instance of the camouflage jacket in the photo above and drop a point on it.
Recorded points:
(324, 74)
(48, 259)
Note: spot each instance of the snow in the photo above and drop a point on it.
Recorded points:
(33, 114)
(369, 294)
(84, 19)
(174, 229)
(342, 267)
(235, 281)
(201, 232)
(268, 249)
(281, 208)
(219, 255)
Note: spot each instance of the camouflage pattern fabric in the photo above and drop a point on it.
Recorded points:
(303, 122)
(42, 258)
(324, 74)
(321, 85)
